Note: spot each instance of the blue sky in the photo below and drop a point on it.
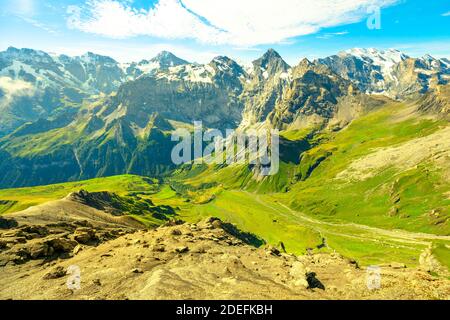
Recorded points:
(197, 30)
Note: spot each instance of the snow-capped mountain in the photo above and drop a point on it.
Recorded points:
(163, 61)
(108, 118)
(35, 84)
(388, 72)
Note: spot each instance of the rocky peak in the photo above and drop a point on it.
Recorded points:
(27, 55)
(93, 58)
(166, 59)
(429, 62)
(223, 64)
(270, 64)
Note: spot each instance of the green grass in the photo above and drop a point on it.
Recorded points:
(442, 252)
(122, 185)
(369, 201)
(311, 188)
(264, 216)
(243, 210)
(295, 135)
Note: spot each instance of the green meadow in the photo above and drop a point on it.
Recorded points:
(307, 207)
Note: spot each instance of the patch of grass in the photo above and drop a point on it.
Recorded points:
(442, 252)
(408, 194)
(122, 185)
(241, 209)
(295, 135)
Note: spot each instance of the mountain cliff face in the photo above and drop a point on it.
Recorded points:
(67, 118)
(264, 87)
(314, 91)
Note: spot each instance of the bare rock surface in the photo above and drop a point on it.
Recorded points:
(195, 261)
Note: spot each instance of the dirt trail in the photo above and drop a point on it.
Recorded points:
(394, 235)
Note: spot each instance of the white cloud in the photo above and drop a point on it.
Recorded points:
(332, 34)
(447, 14)
(38, 24)
(235, 22)
(12, 88)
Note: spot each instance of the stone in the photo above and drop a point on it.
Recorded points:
(397, 265)
(20, 240)
(217, 224)
(40, 250)
(428, 261)
(159, 248)
(273, 251)
(56, 273)
(62, 245)
(7, 223)
(84, 235)
(137, 270)
(77, 249)
(298, 272)
(182, 249)
(35, 231)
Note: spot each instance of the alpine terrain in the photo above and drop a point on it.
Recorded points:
(88, 186)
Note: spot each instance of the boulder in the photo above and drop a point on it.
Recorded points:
(40, 250)
(7, 223)
(298, 272)
(176, 232)
(62, 245)
(159, 248)
(34, 231)
(84, 235)
(182, 249)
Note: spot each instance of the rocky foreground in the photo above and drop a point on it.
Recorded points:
(84, 259)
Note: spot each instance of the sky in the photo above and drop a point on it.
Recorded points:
(198, 30)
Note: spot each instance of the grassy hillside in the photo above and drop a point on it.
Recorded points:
(383, 170)
(12, 200)
(376, 191)
(387, 169)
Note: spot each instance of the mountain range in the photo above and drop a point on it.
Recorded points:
(69, 118)
(85, 152)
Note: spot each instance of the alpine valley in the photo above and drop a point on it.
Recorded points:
(86, 177)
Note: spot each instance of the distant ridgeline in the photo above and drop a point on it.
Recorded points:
(71, 118)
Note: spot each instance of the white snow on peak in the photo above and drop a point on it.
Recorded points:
(385, 59)
(189, 72)
(148, 66)
(380, 57)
